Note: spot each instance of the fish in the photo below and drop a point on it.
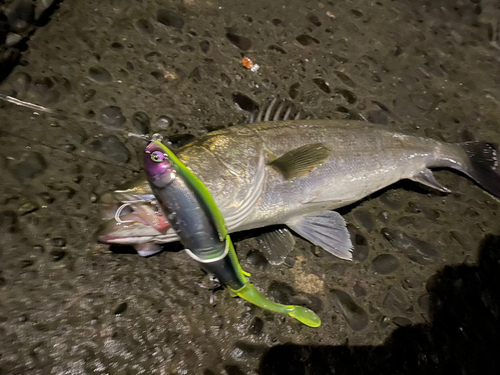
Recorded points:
(191, 211)
(295, 174)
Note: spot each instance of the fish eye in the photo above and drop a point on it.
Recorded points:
(157, 156)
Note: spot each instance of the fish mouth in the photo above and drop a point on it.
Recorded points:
(130, 234)
(130, 218)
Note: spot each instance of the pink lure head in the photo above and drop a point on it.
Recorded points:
(158, 166)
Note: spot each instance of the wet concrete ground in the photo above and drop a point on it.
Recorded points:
(422, 294)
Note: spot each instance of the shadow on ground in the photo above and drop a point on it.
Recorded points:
(461, 338)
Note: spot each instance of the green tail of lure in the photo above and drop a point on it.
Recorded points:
(302, 314)
(202, 228)
(250, 293)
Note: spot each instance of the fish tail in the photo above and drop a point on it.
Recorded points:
(481, 165)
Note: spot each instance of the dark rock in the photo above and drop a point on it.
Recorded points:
(38, 249)
(89, 95)
(306, 40)
(417, 250)
(394, 301)
(67, 147)
(144, 26)
(30, 165)
(21, 82)
(8, 221)
(425, 302)
(345, 79)
(392, 200)
(355, 315)
(164, 122)
(358, 290)
(41, 86)
(314, 20)
(99, 74)
(46, 197)
(338, 269)
(243, 350)
(256, 259)
(294, 90)
(280, 292)
(383, 217)
(276, 48)
(365, 219)
(233, 370)
(27, 208)
(112, 117)
(348, 95)
(57, 255)
(9, 57)
(239, 41)
(401, 321)
(205, 46)
(20, 15)
(385, 264)
(256, 326)
(322, 85)
(26, 263)
(226, 81)
(195, 75)
(120, 309)
(361, 247)
(140, 122)
(58, 242)
(377, 117)
(405, 221)
(112, 148)
(169, 18)
(244, 103)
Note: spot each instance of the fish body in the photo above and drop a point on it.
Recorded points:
(295, 172)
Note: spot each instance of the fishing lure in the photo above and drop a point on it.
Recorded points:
(190, 209)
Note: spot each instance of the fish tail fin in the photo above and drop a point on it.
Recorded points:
(482, 165)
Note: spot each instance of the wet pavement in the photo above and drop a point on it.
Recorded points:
(422, 294)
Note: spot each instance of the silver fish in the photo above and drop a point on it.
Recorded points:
(295, 172)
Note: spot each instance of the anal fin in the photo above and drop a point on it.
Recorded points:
(301, 161)
(276, 245)
(328, 231)
(147, 249)
(427, 178)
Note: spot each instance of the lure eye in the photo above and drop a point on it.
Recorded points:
(157, 156)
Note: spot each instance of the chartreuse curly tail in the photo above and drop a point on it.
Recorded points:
(250, 293)
(239, 285)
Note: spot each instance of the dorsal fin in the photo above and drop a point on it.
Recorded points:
(277, 109)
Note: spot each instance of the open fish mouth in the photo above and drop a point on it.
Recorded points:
(130, 219)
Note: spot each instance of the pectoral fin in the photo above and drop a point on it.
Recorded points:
(328, 231)
(276, 245)
(427, 178)
(301, 161)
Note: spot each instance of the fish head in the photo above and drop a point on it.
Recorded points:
(133, 223)
(126, 233)
(158, 165)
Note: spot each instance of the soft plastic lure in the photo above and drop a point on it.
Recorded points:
(191, 211)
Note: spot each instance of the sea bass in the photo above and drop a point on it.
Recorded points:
(295, 173)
